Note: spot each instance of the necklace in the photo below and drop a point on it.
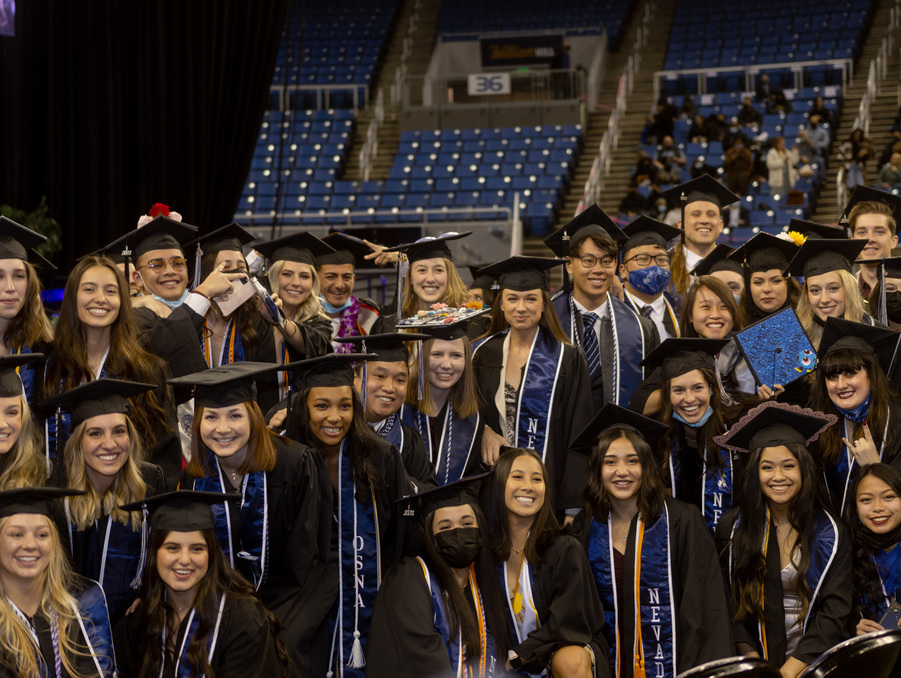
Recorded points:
(517, 550)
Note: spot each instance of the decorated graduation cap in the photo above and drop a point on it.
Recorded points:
(613, 416)
(678, 356)
(773, 424)
(647, 231)
(439, 328)
(839, 334)
(225, 385)
(16, 241)
(330, 370)
(765, 252)
(389, 346)
(347, 250)
(10, 382)
(521, 273)
(98, 397)
(813, 229)
(182, 510)
(458, 493)
(717, 260)
(303, 248)
(33, 500)
(818, 256)
(591, 221)
(863, 193)
(162, 233)
(430, 247)
(702, 189)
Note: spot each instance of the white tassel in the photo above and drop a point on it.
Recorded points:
(136, 582)
(357, 660)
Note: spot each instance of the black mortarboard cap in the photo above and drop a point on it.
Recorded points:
(591, 221)
(10, 382)
(430, 247)
(457, 493)
(818, 256)
(101, 396)
(33, 500)
(162, 233)
(613, 416)
(301, 247)
(679, 356)
(231, 237)
(647, 231)
(348, 250)
(16, 241)
(520, 273)
(717, 260)
(705, 188)
(182, 510)
(845, 334)
(479, 281)
(892, 265)
(863, 193)
(389, 346)
(764, 252)
(446, 331)
(813, 229)
(773, 424)
(225, 385)
(329, 371)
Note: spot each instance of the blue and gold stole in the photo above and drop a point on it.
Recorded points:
(232, 347)
(359, 572)
(26, 373)
(628, 374)
(252, 535)
(825, 547)
(487, 664)
(183, 667)
(649, 594)
(716, 491)
(454, 444)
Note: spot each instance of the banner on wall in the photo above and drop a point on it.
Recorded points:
(7, 17)
(521, 50)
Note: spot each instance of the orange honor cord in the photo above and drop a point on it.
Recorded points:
(480, 616)
(639, 671)
(766, 541)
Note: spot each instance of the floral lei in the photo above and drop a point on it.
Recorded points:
(348, 326)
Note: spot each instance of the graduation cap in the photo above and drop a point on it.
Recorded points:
(232, 237)
(887, 267)
(98, 397)
(430, 247)
(439, 328)
(225, 385)
(389, 346)
(10, 382)
(162, 233)
(302, 247)
(818, 256)
(347, 250)
(863, 193)
(458, 493)
(520, 273)
(613, 416)
(479, 281)
(841, 334)
(679, 355)
(813, 229)
(33, 500)
(773, 424)
(647, 231)
(704, 188)
(16, 241)
(591, 221)
(182, 510)
(765, 252)
(329, 371)
(717, 260)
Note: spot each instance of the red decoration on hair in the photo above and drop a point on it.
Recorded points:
(159, 209)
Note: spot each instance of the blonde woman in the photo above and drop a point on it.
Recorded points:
(104, 459)
(52, 623)
(22, 462)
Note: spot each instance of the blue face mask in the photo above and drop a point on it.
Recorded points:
(737, 298)
(700, 422)
(651, 280)
(858, 414)
(173, 304)
(334, 309)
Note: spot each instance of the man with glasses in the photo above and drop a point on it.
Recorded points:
(645, 272)
(614, 338)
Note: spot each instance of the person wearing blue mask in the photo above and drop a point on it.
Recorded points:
(645, 272)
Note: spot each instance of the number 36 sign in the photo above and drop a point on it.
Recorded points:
(489, 83)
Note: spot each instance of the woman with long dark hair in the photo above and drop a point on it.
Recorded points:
(652, 556)
(787, 560)
(278, 536)
(768, 288)
(197, 616)
(556, 617)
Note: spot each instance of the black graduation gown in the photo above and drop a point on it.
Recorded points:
(245, 645)
(828, 623)
(414, 456)
(703, 623)
(173, 338)
(572, 410)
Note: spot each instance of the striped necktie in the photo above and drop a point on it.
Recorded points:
(590, 342)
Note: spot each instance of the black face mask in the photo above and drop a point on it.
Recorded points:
(893, 306)
(460, 546)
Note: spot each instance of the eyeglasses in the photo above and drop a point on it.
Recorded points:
(177, 264)
(589, 261)
(645, 259)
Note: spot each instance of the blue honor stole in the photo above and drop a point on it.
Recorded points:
(887, 567)
(251, 535)
(536, 393)
(600, 556)
(716, 490)
(825, 547)
(455, 651)
(183, 667)
(93, 619)
(359, 572)
(26, 373)
(454, 445)
(392, 431)
(232, 347)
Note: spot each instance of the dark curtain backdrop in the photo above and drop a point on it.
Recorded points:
(107, 107)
